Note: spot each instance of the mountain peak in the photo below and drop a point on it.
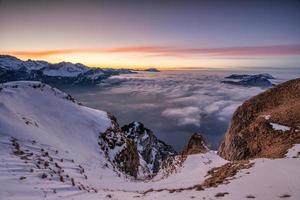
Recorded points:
(195, 145)
(152, 150)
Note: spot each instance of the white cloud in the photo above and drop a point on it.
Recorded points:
(227, 111)
(187, 96)
(186, 115)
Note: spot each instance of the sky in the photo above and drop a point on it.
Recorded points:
(163, 34)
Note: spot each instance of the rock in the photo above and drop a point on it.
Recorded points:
(195, 145)
(128, 158)
(242, 76)
(152, 150)
(152, 70)
(258, 80)
(120, 151)
(134, 149)
(252, 133)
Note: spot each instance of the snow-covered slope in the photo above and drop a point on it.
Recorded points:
(51, 147)
(35, 111)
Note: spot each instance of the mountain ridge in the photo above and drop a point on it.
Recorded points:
(14, 69)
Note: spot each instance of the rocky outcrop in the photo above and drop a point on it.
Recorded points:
(119, 150)
(195, 145)
(257, 80)
(134, 149)
(152, 150)
(243, 76)
(266, 125)
(128, 159)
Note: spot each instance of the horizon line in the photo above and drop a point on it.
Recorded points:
(251, 51)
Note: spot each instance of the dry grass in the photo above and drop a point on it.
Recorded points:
(222, 175)
(216, 176)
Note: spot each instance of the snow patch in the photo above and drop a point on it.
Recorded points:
(279, 127)
(294, 151)
(267, 117)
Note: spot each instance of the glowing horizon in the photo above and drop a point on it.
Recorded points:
(198, 34)
(150, 56)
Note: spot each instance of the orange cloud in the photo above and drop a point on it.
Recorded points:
(173, 51)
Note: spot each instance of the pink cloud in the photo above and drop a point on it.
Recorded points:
(275, 50)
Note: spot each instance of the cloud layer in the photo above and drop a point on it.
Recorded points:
(185, 115)
(174, 104)
(174, 51)
(186, 97)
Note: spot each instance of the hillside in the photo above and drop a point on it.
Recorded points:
(53, 147)
(266, 125)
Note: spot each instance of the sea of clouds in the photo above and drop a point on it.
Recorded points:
(186, 96)
(174, 104)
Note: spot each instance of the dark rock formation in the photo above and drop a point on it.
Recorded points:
(134, 149)
(151, 70)
(258, 80)
(152, 150)
(195, 145)
(119, 150)
(242, 76)
(128, 158)
(254, 128)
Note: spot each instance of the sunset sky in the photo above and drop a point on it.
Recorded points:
(163, 34)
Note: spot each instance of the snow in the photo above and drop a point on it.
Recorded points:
(59, 122)
(34, 111)
(65, 69)
(145, 137)
(276, 126)
(294, 151)
(10, 62)
(35, 64)
(279, 127)
(13, 63)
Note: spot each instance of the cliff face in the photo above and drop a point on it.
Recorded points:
(134, 149)
(119, 150)
(152, 150)
(266, 125)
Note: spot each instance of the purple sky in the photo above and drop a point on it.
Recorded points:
(170, 34)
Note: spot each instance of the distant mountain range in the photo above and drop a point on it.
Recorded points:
(151, 70)
(14, 69)
(256, 80)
